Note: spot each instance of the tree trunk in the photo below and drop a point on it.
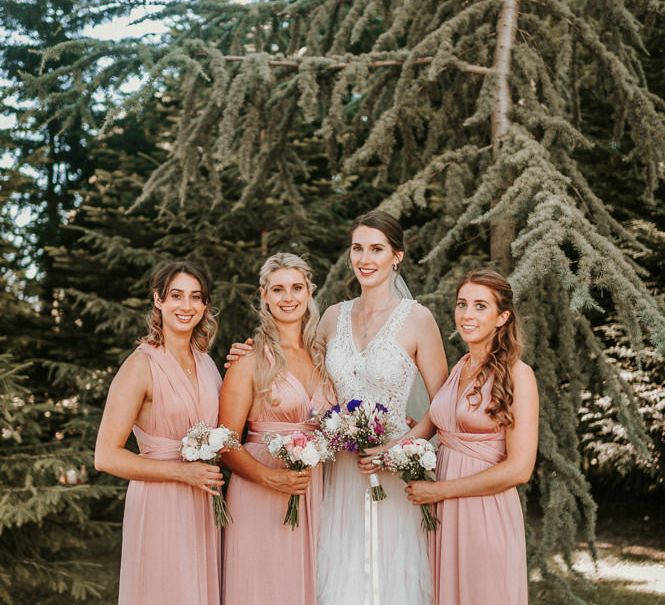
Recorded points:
(502, 229)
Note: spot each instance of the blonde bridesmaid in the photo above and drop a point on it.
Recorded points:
(275, 389)
(170, 545)
(486, 419)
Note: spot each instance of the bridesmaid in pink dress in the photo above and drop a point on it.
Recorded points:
(274, 390)
(171, 547)
(486, 419)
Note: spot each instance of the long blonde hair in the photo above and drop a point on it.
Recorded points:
(504, 351)
(270, 359)
(204, 332)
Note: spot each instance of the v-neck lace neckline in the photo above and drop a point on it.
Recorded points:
(378, 332)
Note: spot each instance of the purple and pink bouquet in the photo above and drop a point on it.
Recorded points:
(203, 443)
(298, 450)
(356, 426)
(414, 460)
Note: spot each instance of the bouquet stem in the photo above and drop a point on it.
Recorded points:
(429, 520)
(378, 493)
(291, 517)
(222, 514)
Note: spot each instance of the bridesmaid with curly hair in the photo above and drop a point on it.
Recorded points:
(486, 419)
(170, 545)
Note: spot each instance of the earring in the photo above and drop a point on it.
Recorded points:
(395, 266)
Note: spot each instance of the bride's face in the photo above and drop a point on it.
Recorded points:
(372, 256)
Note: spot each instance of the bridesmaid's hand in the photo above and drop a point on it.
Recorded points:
(238, 349)
(204, 476)
(294, 483)
(424, 492)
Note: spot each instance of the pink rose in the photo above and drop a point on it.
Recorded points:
(299, 439)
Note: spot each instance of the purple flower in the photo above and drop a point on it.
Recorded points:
(333, 410)
(379, 428)
(353, 404)
(381, 408)
(351, 446)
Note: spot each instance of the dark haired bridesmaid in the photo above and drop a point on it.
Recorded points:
(170, 545)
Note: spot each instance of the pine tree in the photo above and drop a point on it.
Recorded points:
(50, 515)
(468, 120)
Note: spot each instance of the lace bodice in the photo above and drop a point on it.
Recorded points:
(382, 372)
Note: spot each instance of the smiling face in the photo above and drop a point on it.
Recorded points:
(182, 307)
(372, 256)
(477, 315)
(287, 295)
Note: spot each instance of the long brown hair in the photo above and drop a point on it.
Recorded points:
(504, 350)
(204, 332)
(270, 360)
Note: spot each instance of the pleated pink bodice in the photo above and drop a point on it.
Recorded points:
(478, 553)
(266, 561)
(171, 551)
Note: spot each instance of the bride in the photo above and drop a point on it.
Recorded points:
(374, 553)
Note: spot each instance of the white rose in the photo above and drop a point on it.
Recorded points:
(206, 452)
(428, 461)
(411, 449)
(189, 441)
(275, 445)
(332, 423)
(309, 455)
(217, 438)
(190, 453)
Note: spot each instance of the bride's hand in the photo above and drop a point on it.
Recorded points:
(238, 349)
(370, 460)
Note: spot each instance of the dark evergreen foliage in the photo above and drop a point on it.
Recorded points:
(269, 126)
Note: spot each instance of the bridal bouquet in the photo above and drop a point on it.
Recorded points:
(298, 450)
(203, 443)
(414, 460)
(356, 426)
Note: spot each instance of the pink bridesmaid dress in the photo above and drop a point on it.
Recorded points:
(478, 553)
(170, 545)
(266, 561)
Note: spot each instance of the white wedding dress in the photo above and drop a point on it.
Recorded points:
(370, 553)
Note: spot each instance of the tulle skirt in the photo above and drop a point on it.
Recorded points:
(370, 553)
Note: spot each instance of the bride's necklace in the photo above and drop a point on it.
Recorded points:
(369, 319)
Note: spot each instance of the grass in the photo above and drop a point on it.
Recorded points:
(631, 557)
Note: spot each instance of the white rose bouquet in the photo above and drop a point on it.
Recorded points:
(203, 443)
(298, 450)
(414, 460)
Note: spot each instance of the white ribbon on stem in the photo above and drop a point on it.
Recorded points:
(371, 544)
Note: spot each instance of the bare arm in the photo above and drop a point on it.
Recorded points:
(521, 448)
(430, 355)
(127, 394)
(328, 323)
(235, 404)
